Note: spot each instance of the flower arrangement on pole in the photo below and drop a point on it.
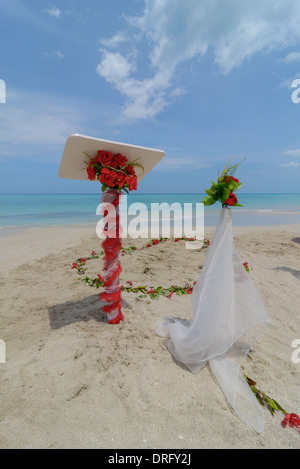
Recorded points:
(113, 171)
(116, 174)
(224, 189)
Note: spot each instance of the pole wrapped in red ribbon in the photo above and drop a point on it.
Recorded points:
(112, 244)
(116, 174)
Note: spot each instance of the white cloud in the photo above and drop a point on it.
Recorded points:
(292, 57)
(35, 122)
(54, 11)
(234, 31)
(291, 164)
(292, 152)
(145, 97)
(55, 53)
(115, 41)
(177, 31)
(58, 54)
(114, 67)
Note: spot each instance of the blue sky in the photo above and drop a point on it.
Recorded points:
(202, 80)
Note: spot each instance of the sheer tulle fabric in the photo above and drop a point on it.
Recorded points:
(228, 317)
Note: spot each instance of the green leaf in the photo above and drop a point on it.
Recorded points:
(274, 406)
(233, 185)
(258, 397)
(238, 205)
(142, 296)
(271, 405)
(226, 194)
(209, 200)
(153, 296)
(278, 406)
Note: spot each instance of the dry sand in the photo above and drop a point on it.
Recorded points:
(73, 381)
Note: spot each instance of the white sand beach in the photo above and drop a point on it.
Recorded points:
(72, 381)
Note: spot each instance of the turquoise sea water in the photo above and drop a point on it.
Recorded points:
(58, 209)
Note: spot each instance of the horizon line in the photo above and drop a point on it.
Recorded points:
(145, 193)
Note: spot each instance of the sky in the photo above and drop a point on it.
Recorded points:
(203, 80)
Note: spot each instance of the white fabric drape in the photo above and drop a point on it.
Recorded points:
(228, 317)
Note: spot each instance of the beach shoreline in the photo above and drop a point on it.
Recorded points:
(72, 381)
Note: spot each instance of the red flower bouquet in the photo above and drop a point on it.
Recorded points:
(113, 171)
(223, 190)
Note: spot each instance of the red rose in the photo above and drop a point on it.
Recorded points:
(114, 163)
(74, 265)
(232, 200)
(130, 170)
(107, 177)
(230, 178)
(133, 185)
(120, 178)
(91, 173)
(132, 182)
(120, 160)
(96, 160)
(105, 157)
(155, 241)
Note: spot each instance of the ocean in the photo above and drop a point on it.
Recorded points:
(29, 210)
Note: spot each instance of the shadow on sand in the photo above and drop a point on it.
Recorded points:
(78, 311)
(295, 273)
